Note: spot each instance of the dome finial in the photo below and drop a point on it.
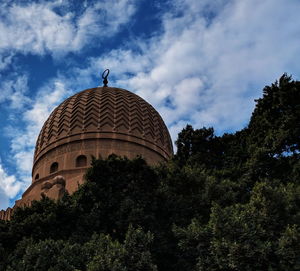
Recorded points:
(104, 76)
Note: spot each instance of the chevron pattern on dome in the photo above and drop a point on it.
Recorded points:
(105, 109)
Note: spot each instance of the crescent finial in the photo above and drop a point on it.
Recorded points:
(104, 76)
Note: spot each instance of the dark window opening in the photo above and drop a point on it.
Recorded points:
(37, 176)
(54, 167)
(81, 161)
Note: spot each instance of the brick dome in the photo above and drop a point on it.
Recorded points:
(105, 112)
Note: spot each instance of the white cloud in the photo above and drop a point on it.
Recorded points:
(4, 200)
(211, 60)
(8, 184)
(13, 90)
(38, 28)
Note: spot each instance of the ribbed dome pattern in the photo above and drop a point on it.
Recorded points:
(105, 110)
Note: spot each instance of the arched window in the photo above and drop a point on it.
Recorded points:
(81, 161)
(37, 176)
(54, 167)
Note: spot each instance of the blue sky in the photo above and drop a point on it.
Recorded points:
(201, 62)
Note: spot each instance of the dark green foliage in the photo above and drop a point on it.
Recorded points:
(100, 253)
(289, 248)
(201, 144)
(132, 255)
(228, 202)
(44, 219)
(46, 255)
(240, 233)
(274, 125)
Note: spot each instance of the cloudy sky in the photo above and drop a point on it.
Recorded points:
(201, 62)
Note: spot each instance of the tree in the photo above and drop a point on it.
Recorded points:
(46, 255)
(200, 146)
(274, 122)
(250, 236)
(133, 255)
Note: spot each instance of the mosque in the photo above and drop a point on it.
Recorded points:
(95, 122)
